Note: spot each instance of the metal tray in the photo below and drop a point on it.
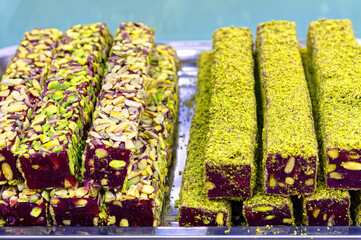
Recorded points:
(187, 52)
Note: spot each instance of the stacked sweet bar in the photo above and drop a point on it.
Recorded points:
(333, 66)
(263, 209)
(289, 139)
(75, 206)
(144, 188)
(20, 89)
(335, 59)
(286, 109)
(21, 206)
(195, 208)
(229, 157)
(112, 138)
(50, 150)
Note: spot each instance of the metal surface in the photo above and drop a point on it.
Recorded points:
(187, 52)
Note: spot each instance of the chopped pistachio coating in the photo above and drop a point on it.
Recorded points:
(290, 154)
(20, 89)
(263, 209)
(53, 143)
(145, 187)
(325, 207)
(335, 63)
(75, 206)
(196, 209)
(21, 206)
(121, 103)
(229, 157)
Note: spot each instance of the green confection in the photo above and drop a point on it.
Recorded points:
(195, 208)
(335, 62)
(229, 157)
(145, 184)
(49, 150)
(289, 138)
(20, 91)
(263, 209)
(330, 45)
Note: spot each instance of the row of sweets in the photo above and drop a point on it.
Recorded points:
(121, 109)
(305, 141)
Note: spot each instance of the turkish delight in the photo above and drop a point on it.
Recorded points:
(20, 90)
(145, 186)
(21, 206)
(111, 141)
(229, 157)
(289, 139)
(195, 208)
(50, 150)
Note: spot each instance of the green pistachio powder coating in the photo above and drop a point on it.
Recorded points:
(288, 123)
(333, 84)
(339, 107)
(287, 118)
(233, 123)
(193, 194)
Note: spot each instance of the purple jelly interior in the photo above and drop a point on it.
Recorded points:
(67, 209)
(353, 180)
(53, 170)
(11, 160)
(195, 216)
(94, 175)
(137, 212)
(257, 218)
(229, 181)
(18, 214)
(336, 212)
(276, 168)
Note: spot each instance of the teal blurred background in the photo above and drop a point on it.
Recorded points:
(175, 20)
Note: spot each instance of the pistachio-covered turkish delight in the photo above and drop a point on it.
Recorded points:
(289, 139)
(75, 206)
(195, 208)
(20, 89)
(229, 157)
(263, 209)
(144, 189)
(50, 150)
(325, 207)
(335, 62)
(21, 206)
(111, 140)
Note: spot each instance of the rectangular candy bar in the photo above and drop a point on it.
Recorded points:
(50, 151)
(75, 206)
(195, 208)
(21, 206)
(111, 141)
(263, 209)
(325, 207)
(229, 157)
(145, 187)
(289, 139)
(335, 65)
(20, 90)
